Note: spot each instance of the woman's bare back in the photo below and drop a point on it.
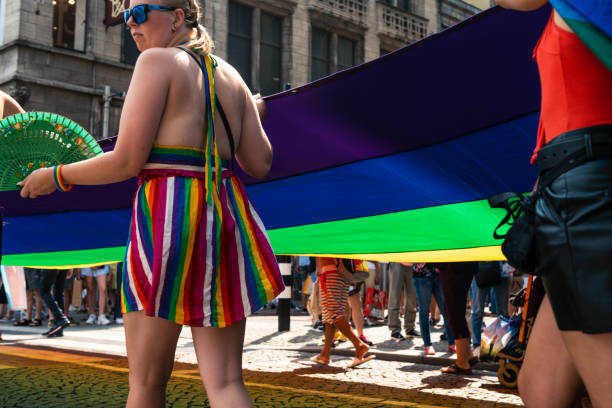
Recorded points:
(183, 120)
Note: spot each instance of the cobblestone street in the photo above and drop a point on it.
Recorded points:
(71, 372)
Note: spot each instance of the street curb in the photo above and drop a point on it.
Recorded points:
(406, 358)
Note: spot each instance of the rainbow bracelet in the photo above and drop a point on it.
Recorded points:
(57, 176)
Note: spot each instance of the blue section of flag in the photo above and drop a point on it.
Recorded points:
(67, 231)
(472, 167)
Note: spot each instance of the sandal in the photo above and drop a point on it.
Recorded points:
(455, 369)
(357, 362)
(22, 322)
(319, 360)
(35, 323)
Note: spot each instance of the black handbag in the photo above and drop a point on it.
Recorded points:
(519, 241)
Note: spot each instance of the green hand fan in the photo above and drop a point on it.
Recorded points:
(33, 140)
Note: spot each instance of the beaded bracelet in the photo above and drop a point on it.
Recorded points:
(57, 176)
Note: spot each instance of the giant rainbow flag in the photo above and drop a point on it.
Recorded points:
(390, 160)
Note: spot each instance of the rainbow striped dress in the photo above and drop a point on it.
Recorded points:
(198, 253)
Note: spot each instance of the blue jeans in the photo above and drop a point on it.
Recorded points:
(425, 288)
(480, 296)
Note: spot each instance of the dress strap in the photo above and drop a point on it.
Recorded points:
(226, 124)
(212, 184)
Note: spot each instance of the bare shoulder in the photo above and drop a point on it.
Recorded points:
(230, 75)
(160, 59)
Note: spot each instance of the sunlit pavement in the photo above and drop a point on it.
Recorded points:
(40, 372)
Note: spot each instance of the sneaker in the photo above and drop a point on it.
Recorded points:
(365, 340)
(397, 336)
(103, 320)
(452, 349)
(57, 327)
(91, 319)
(340, 337)
(119, 320)
(57, 334)
(430, 351)
(412, 333)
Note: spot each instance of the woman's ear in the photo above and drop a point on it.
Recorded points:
(179, 17)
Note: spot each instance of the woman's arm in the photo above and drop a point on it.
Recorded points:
(522, 5)
(254, 154)
(8, 106)
(140, 118)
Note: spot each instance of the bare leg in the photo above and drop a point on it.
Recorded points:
(101, 281)
(548, 377)
(219, 353)
(360, 347)
(30, 304)
(89, 283)
(150, 344)
(592, 356)
(330, 332)
(464, 354)
(357, 312)
(39, 306)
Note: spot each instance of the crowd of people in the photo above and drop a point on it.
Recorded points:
(59, 296)
(433, 291)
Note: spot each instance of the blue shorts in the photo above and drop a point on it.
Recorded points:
(95, 272)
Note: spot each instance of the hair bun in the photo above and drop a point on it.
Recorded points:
(195, 24)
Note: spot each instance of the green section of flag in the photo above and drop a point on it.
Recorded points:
(66, 258)
(598, 42)
(451, 226)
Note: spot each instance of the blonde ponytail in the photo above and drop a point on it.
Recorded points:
(201, 42)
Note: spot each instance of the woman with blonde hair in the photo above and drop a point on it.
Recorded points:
(197, 253)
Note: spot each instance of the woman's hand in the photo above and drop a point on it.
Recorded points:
(39, 182)
(262, 108)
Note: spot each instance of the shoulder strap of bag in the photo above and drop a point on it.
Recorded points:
(511, 202)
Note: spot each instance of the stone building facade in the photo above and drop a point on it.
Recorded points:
(75, 58)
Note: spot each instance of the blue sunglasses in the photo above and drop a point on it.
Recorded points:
(139, 12)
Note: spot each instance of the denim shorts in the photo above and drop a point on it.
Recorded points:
(32, 278)
(95, 273)
(573, 244)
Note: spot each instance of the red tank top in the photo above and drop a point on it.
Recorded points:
(576, 86)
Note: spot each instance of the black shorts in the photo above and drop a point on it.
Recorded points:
(574, 247)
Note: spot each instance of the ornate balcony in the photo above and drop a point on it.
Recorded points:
(400, 24)
(352, 10)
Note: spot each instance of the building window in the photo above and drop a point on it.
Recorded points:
(271, 47)
(69, 24)
(321, 59)
(346, 53)
(239, 39)
(129, 50)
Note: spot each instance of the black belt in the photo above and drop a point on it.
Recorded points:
(573, 148)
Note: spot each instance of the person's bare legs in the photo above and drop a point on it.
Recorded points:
(39, 306)
(219, 353)
(548, 377)
(330, 332)
(592, 356)
(150, 344)
(464, 354)
(357, 312)
(91, 298)
(30, 304)
(360, 347)
(101, 281)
